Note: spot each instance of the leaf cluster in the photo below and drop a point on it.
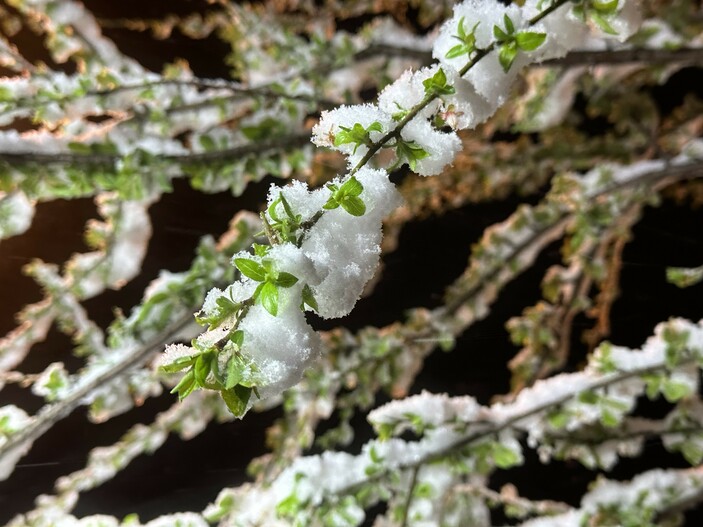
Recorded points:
(510, 42)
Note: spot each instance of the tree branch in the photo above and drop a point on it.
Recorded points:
(50, 414)
(99, 159)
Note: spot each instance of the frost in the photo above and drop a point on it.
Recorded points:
(442, 147)
(345, 249)
(408, 91)
(16, 214)
(333, 122)
(282, 346)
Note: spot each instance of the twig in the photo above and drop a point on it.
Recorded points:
(50, 414)
(100, 159)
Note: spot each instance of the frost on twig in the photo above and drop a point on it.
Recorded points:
(472, 438)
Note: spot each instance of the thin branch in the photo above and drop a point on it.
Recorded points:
(409, 498)
(627, 56)
(552, 231)
(607, 57)
(50, 414)
(99, 159)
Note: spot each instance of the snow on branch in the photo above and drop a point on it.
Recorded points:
(472, 438)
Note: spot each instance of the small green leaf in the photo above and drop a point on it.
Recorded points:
(510, 28)
(588, 397)
(185, 386)
(558, 419)
(437, 84)
(237, 338)
(507, 54)
(250, 268)
(684, 276)
(692, 452)
(285, 279)
(236, 399)
(458, 51)
(235, 365)
(351, 187)
(79, 148)
(201, 369)
(375, 127)
(288, 507)
(308, 298)
(331, 204)
(674, 391)
(602, 23)
(354, 206)
(269, 297)
(505, 457)
(530, 41)
(499, 34)
(272, 209)
(208, 143)
(261, 250)
(181, 363)
(357, 134)
(607, 7)
(608, 418)
(461, 32)
(410, 152)
(287, 207)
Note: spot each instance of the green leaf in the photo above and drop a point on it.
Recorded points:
(458, 51)
(272, 209)
(250, 268)
(558, 419)
(505, 457)
(181, 363)
(332, 203)
(285, 279)
(508, 24)
(237, 338)
(461, 32)
(437, 84)
(674, 391)
(354, 206)
(201, 369)
(351, 187)
(608, 418)
(261, 250)
(79, 148)
(235, 367)
(410, 152)
(236, 399)
(588, 397)
(684, 276)
(308, 298)
(607, 7)
(692, 452)
(357, 134)
(208, 143)
(499, 34)
(507, 54)
(530, 41)
(287, 207)
(269, 297)
(288, 507)
(602, 23)
(185, 386)
(375, 127)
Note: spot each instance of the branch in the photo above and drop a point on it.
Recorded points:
(50, 414)
(573, 59)
(98, 159)
(627, 56)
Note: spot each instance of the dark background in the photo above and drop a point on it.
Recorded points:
(183, 476)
